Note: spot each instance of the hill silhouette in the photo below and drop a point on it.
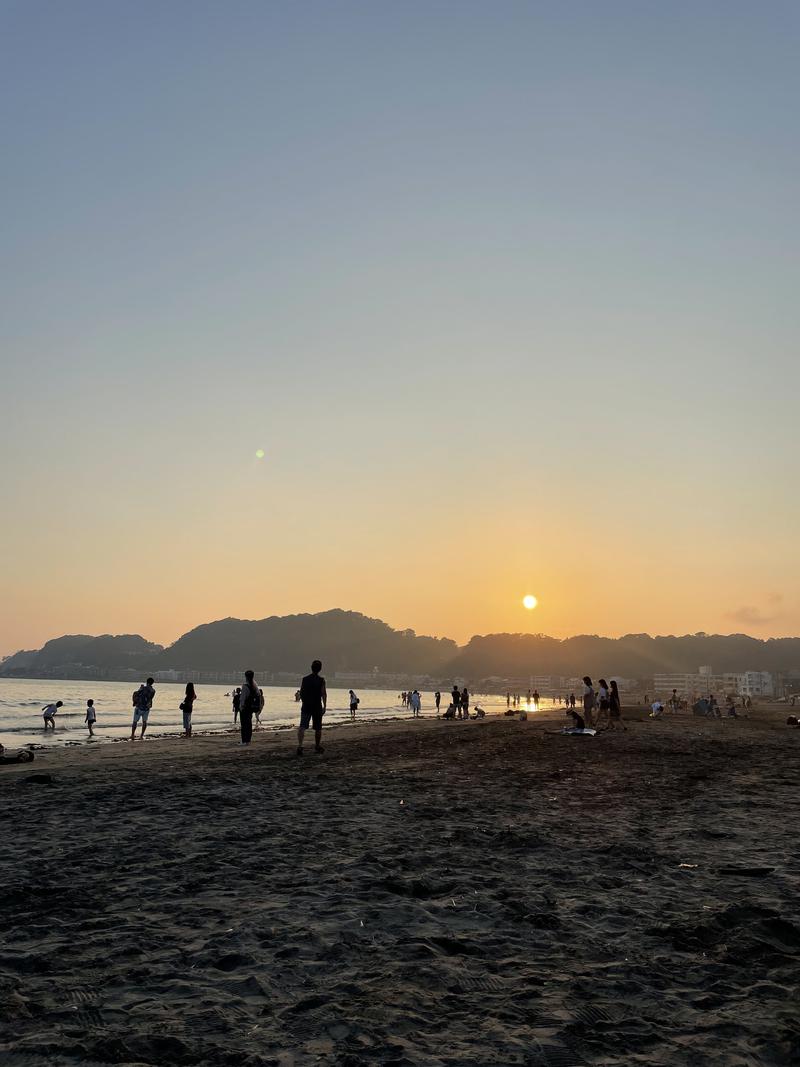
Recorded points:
(343, 640)
(348, 641)
(631, 656)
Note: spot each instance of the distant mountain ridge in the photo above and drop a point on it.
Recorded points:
(349, 642)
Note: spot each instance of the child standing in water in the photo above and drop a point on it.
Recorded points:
(91, 717)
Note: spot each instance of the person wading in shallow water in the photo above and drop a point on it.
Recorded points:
(313, 704)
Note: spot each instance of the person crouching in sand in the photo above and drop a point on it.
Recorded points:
(91, 717)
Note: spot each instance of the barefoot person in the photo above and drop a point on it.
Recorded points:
(91, 717)
(354, 702)
(49, 714)
(313, 704)
(142, 703)
(249, 705)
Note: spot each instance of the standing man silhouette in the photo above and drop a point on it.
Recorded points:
(313, 705)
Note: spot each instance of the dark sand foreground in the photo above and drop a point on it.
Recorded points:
(429, 893)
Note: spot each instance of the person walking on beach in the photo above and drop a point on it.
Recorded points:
(416, 703)
(456, 695)
(465, 703)
(313, 705)
(508, 701)
(588, 700)
(571, 700)
(142, 703)
(237, 699)
(186, 708)
(437, 696)
(249, 704)
(615, 709)
(536, 699)
(49, 714)
(354, 702)
(91, 717)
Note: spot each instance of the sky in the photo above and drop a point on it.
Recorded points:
(506, 294)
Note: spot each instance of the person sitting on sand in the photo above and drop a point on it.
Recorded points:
(451, 712)
(479, 712)
(657, 710)
(700, 707)
(49, 714)
(91, 717)
(578, 721)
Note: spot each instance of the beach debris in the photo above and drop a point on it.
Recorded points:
(688, 866)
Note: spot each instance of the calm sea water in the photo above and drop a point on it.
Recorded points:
(22, 700)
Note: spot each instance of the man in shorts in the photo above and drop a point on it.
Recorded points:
(313, 703)
(142, 703)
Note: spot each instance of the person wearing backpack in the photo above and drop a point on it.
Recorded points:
(249, 705)
(142, 703)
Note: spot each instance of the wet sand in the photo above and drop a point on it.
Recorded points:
(423, 893)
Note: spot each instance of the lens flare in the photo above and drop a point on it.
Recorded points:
(259, 453)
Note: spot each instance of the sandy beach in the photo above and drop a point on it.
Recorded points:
(423, 893)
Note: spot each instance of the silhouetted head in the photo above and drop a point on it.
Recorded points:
(190, 689)
(59, 703)
(248, 675)
(316, 666)
(604, 683)
(613, 686)
(149, 681)
(587, 680)
(89, 703)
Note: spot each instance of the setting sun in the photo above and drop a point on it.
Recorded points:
(530, 602)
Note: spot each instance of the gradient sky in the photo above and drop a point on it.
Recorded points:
(506, 292)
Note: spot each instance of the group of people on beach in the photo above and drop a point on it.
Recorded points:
(601, 707)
